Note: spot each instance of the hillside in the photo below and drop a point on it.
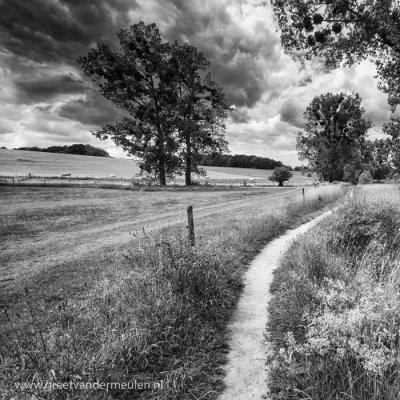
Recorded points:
(80, 149)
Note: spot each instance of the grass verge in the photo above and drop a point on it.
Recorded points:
(334, 316)
(163, 321)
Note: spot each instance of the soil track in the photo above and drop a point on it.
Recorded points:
(246, 370)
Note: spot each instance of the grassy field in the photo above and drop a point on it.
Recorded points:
(21, 163)
(55, 240)
(335, 312)
(298, 178)
(105, 301)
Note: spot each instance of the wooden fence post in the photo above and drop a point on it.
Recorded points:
(304, 196)
(190, 225)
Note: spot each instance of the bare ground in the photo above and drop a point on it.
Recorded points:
(246, 370)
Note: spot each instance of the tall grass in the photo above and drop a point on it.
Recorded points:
(335, 312)
(163, 321)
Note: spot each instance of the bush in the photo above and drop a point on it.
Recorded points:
(365, 178)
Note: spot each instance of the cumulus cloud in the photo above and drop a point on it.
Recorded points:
(291, 113)
(240, 115)
(44, 98)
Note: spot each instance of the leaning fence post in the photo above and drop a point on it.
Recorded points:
(190, 225)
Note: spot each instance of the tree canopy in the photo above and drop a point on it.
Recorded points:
(334, 134)
(171, 110)
(202, 109)
(346, 31)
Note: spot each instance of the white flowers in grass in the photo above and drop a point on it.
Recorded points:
(353, 322)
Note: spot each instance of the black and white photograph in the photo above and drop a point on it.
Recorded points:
(200, 200)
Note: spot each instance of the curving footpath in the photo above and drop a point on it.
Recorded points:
(246, 371)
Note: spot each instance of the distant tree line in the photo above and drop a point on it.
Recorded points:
(239, 161)
(79, 149)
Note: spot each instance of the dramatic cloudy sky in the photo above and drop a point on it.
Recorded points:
(45, 100)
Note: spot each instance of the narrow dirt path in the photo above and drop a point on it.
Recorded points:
(246, 371)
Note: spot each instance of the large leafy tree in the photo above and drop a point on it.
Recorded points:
(136, 79)
(176, 114)
(346, 31)
(202, 108)
(334, 134)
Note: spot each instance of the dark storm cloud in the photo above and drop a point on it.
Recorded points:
(238, 59)
(93, 110)
(292, 114)
(39, 88)
(242, 81)
(49, 31)
(57, 32)
(41, 40)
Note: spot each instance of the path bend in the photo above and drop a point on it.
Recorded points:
(246, 370)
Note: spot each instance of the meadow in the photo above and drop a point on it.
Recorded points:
(54, 240)
(91, 296)
(22, 163)
(334, 316)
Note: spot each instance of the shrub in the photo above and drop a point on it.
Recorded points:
(365, 178)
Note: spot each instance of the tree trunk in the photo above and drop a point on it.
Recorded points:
(188, 170)
(163, 180)
(280, 183)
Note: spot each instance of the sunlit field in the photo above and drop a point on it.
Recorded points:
(21, 163)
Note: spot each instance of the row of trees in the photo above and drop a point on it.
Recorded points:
(80, 149)
(175, 112)
(239, 161)
(334, 140)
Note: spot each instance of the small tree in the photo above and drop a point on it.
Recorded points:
(365, 178)
(281, 175)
